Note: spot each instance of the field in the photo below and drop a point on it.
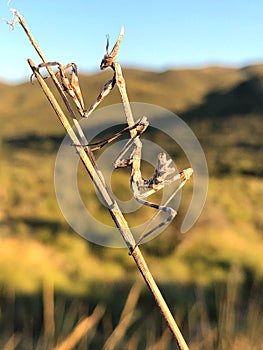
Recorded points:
(51, 278)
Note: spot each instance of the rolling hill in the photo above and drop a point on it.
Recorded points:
(224, 108)
(215, 267)
(189, 92)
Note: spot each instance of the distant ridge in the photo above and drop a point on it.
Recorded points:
(203, 92)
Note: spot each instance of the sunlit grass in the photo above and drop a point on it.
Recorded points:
(229, 230)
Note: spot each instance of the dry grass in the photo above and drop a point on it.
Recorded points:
(224, 317)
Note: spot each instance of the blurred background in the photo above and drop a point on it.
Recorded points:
(202, 61)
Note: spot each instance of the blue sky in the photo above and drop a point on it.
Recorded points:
(158, 34)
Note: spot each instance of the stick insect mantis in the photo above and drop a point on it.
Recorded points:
(164, 173)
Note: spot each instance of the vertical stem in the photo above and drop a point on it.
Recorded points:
(89, 162)
(48, 313)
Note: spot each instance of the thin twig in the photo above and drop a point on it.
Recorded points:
(89, 162)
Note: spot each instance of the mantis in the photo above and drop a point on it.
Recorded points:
(164, 173)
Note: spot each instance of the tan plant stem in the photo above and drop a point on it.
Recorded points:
(81, 329)
(89, 162)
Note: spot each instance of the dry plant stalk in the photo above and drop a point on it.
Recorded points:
(87, 158)
(126, 318)
(82, 328)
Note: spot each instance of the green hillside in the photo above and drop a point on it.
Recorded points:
(177, 90)
(224, 107)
